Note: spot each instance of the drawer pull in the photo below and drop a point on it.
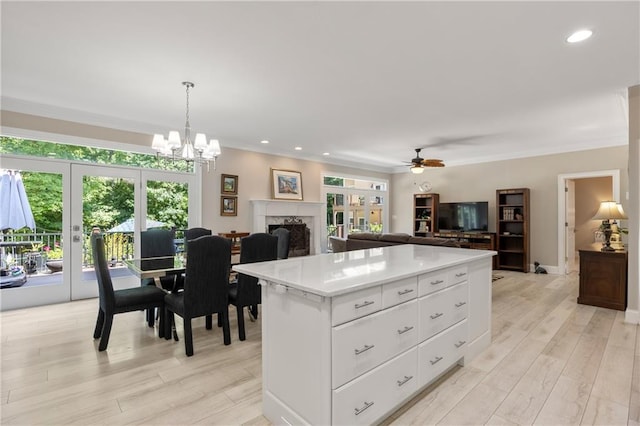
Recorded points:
(403, 292)
(437, 360)
(405, 380)
(461, 274)
(460, 304)
(364, 349)
(405, 329)
(460, 343)
(437, 315)
(436, 282)
(366, 405)
(363, 304)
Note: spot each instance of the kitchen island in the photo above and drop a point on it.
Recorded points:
(347, 338)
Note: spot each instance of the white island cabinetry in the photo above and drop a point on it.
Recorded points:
(349, 337)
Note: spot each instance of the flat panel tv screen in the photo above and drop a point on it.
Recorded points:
(464, 217)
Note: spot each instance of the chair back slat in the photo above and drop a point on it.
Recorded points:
(207, 275)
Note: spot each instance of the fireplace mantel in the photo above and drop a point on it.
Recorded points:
(310, 211)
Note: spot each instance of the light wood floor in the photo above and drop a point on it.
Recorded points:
(552, 361)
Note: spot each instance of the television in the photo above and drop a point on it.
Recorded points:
(464, 217)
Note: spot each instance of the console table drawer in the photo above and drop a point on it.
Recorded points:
(355, 305)
(365, 399)
(365, 343)
(443, 309)
(399, 291)
(440, 352)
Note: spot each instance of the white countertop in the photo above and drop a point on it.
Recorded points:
(332, 274)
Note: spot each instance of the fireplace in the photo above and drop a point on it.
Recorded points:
(299, 236)
(276, 212)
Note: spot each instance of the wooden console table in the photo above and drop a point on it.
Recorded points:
(603, 279)
(235, 239)
(473, 240)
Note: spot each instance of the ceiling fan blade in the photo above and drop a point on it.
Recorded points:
(432, 162)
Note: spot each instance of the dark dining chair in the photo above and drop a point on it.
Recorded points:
(118, 301)
(158, 243)
(206, 286)
(283, 235)
(192, 234)
(245, 291)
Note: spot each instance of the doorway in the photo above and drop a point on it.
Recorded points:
(567, 213)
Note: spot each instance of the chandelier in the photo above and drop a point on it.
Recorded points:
(198, 151)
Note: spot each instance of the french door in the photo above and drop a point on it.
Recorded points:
(135, 185)
(86, 180)
(44, 286)
(64, 268)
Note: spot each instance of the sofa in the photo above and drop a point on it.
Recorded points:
(363, 240)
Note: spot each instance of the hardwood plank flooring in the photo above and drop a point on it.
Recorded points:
(551, 361)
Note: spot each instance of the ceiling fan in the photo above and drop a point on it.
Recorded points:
(418, 163)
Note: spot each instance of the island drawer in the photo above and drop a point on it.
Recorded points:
(440, 352)
(364, 400)
(365, 343)
(442, 309)
(354, 305)
(399, 291)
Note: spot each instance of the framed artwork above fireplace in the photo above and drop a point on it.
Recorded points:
(286, 185)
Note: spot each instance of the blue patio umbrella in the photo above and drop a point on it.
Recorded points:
(15, 211)
(127, 225)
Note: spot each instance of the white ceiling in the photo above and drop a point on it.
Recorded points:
(366, 81)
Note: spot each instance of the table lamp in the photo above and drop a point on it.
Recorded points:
(608, 210)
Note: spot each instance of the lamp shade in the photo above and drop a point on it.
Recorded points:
(417, 169)
(609, 210)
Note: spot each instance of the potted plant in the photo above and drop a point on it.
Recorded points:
(54, 257)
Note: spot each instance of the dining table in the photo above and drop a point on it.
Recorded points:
(156, 268)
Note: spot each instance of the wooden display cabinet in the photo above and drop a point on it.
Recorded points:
(425, 214)
(512, 229)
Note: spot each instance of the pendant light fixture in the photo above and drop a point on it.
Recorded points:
(196, 151)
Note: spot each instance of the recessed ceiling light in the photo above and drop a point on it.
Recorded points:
(579, 36)
(264, 142)
(325, 153)
(298, 148)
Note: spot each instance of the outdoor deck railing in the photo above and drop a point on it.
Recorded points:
(119, 245)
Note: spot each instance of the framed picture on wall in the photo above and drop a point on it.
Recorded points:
(286, 185)
(228, 206)
(229, 184)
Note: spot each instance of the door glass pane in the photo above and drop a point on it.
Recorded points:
(376, 209)
(108, 204)
(357, 213)
(335, 217)
(168, 207)
(33, 258)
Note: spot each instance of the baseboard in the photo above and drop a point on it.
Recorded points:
(632, 316)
